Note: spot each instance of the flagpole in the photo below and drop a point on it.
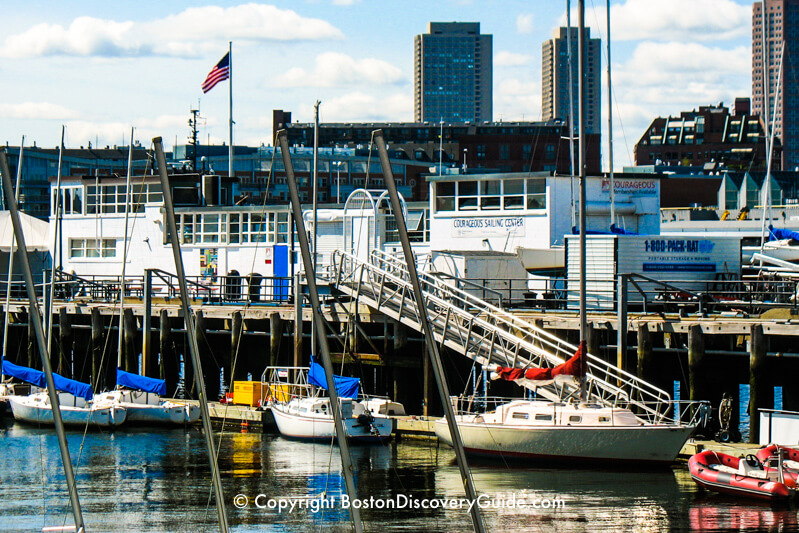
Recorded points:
(230, 122)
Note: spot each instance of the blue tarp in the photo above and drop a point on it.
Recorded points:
(621, 231)
(36, 377)
(345, 387)
(777, 234)
(142, 383)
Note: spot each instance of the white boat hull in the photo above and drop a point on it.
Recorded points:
(150, 409)
(106, 416)
(645, 444)
(322, 428)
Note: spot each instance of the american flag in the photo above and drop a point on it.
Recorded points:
(220, 72)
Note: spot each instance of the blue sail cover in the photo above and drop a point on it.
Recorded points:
(142, 383)
(345, 387)
(777, 234)
(621, 231)
(36, 377)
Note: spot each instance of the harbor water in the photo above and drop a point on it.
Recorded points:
(142, 480)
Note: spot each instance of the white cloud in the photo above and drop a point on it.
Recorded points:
(516, 99)
(511, 59)
(361, 107)
(674, 20)
(345, 2)
(36, 110)
(335, 69)
(525, 23)
(676, 63)
(187, 33)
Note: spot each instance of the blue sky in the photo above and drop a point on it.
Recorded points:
(102, 67)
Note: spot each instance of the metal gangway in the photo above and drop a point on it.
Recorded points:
(488, 334)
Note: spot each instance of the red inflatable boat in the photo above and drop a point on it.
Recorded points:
(751, 476)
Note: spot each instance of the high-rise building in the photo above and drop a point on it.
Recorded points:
(453, 73)
(555, 79)
(775, 22)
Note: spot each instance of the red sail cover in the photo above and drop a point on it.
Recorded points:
(576, 366)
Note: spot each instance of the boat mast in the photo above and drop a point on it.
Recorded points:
(610, 130)
(56, 244)
(313, 294)
(430, 342)
(315, 192)
(11, 264)
(125, 254)
(35, 316)
(770, 147)
(583, 196)
(570, 78)
(194, 351)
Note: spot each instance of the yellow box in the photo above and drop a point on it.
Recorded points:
(247, 393)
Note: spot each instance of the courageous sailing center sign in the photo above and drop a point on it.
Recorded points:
(488, 226)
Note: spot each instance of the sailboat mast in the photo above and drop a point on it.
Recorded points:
(11, 262)
(56, 244)
(124, 256)
(610, 130)
(570, 78)
(315, 192)
(581, 146)
(194, 351)
(767, 185)
(313, 295)
(430, 342)
(44, 350)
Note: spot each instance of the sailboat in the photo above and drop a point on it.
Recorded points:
(78, 407)
(302, 411)
(140, 396)
(570, 423)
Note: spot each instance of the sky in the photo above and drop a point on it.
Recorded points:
(100, 68)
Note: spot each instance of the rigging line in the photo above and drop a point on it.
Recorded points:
(247, 303)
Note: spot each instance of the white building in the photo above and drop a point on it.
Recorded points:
(530, 213)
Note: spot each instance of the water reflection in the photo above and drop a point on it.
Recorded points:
(135, 480)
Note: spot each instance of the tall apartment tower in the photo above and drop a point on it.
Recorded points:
(453, 73)
(775, 22)
(555, 79)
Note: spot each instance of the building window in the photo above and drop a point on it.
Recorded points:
(536, 194)
(92, 248)
(513, 194)
(490, 195)
(445, 196)
(467, 196)
(504, 152)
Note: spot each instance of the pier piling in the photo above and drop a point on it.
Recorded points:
(696, 362)
(169, 359)
(758, 380)
(131, 357)
(97, 375)
(275, 337)
(645, 361)
(64, 343)
(238, 369)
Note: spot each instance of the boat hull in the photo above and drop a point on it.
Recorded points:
(175, 414)
(313, 428)
(108, 416)
(703, 468)
(640, 445)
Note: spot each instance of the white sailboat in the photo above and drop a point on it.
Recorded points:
(140, 396)
(75, 411)
(572, 424)
(301, 411)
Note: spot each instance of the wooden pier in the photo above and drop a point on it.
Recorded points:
(708, 355)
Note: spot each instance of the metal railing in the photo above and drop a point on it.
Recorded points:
(253, 289)
(488, 334)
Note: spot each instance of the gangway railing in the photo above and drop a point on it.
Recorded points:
(489, 335)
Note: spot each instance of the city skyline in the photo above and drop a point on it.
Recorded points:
(101, 68)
